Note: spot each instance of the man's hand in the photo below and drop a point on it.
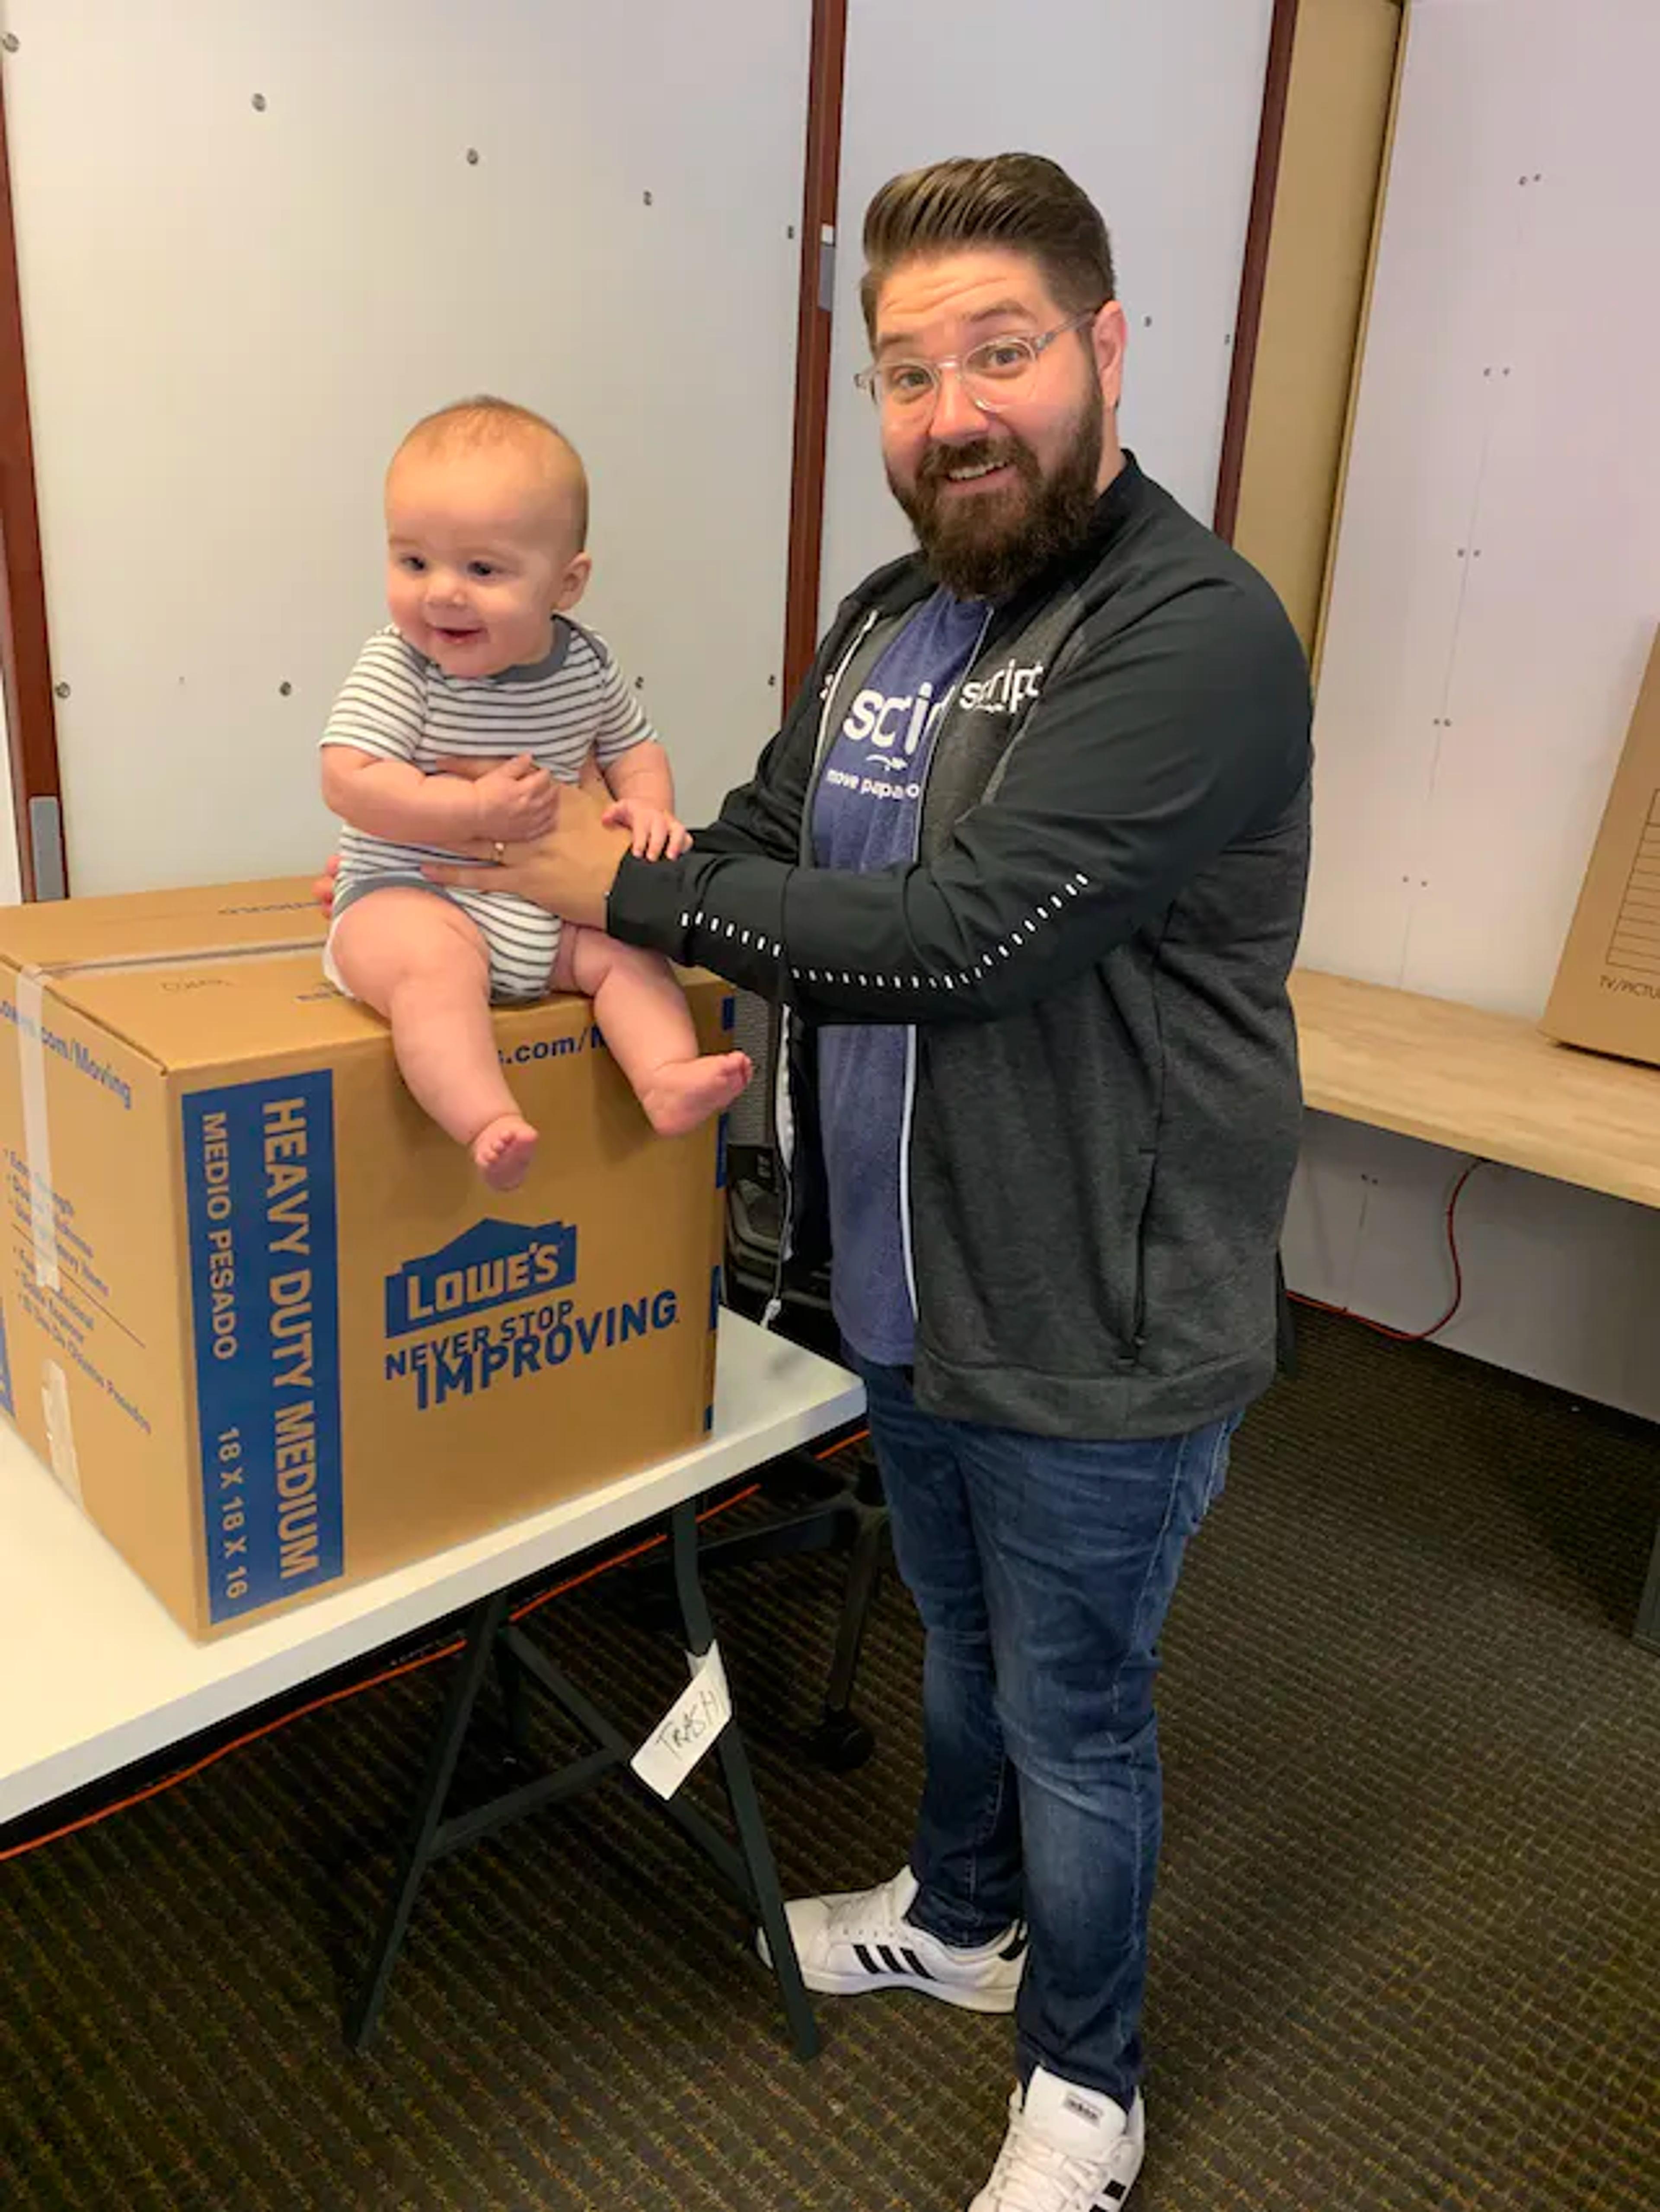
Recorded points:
(516, 801)
(569, 869)
(655, 830)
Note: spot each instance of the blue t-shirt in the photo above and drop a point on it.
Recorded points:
(866, 818)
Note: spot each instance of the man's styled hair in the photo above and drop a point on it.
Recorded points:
(1020, 201)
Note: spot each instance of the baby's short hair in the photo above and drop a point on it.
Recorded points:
(484, 422)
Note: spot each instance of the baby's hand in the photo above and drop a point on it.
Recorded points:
(516, 801)
(656, 833)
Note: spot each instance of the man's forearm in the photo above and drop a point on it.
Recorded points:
(898, 946)
(662, 907)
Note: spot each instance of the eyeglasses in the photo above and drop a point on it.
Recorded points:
(995, 375)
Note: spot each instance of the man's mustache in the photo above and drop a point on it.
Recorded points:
(938, 463)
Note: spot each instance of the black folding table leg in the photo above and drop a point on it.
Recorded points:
(483, 1625)
(511, 1676)
(752, 1840)
(841, 1741)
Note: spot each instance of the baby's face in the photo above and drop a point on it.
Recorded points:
(481, 555)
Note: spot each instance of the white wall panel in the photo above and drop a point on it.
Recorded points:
(1445, 276)
(1498, 579)
(231, 312)
(1155, 112)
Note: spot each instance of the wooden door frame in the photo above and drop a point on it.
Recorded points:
(1248, 321)
(25, 639)
(820, 234)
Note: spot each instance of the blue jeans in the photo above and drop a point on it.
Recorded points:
(1042, 1569)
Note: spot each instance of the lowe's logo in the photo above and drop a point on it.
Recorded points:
(490, 1264)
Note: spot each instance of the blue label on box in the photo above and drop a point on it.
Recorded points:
(264, 1254)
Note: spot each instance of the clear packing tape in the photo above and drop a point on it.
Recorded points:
(37, 1136)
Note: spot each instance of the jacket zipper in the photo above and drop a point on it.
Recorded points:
(906, 1232)
(783, 1107)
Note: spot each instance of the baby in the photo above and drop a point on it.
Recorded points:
(486, 519)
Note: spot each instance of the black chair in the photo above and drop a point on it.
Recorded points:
(808, 1501)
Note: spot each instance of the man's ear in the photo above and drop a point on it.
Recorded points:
(1109, 336)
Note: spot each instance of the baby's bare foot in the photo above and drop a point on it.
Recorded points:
(682, 1095)
(502, 1151)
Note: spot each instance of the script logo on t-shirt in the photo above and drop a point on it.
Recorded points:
(892, 724)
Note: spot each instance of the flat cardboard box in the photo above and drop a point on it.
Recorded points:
(1607, 994)
(260, 1317)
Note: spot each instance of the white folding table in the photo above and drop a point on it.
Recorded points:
(98, 1676)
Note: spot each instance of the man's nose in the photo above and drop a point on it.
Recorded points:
(956, 414)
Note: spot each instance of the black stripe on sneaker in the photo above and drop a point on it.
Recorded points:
(1017, 1942)
(890, 1959)
(866, 1960)
(1113, 2193)
(916, 1967)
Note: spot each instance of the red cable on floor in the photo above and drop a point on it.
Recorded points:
(1414, 1336)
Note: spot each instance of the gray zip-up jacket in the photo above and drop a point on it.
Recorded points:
(1089, 953)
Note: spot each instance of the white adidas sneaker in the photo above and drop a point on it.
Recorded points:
(860, 1940)
(1067, 2150)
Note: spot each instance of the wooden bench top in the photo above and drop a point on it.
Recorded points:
(1475, 1082)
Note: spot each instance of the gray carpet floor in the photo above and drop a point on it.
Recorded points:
(1406, 1943)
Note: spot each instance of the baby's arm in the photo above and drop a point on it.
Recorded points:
(396, 801)
(643, 776)
(636, 768)
(642, 802)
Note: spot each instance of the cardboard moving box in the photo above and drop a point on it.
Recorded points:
(1607, 994)
(263, 1319)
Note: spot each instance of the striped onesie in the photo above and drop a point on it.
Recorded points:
(398, 705)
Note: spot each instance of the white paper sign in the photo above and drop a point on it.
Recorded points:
(688, 1730)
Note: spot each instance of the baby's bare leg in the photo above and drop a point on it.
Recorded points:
(418, 960)
(648, 1028)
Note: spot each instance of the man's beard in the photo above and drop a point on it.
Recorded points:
(986, 545)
